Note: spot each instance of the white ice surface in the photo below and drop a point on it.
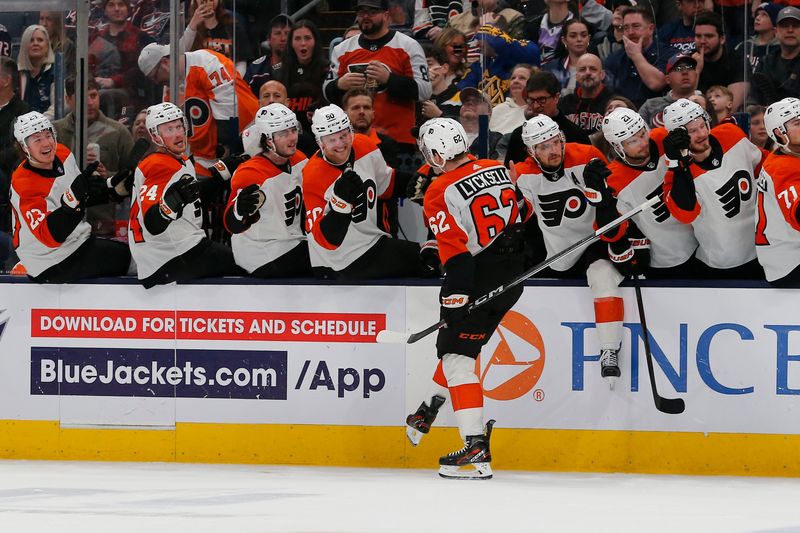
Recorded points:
(38, 496)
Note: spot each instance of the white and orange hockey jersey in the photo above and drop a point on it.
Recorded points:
(468, 207)
(280, 226)
(364, 231)
(213, 91)
(777, 228)
(34, 195)
(153, 176)
(672, 243)
(563, 214)
(723, 217)
(402, 55)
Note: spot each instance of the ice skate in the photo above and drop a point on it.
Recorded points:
(419, 423)
(471, 461)
(609, 365)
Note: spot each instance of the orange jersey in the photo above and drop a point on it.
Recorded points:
(777, 228)
(468, 207)
(153, 176)
(214, 91)
(364, 231)
(403, 56)
(280, 226)
(34, 195)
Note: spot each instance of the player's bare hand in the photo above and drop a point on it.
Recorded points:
(377, 72)
(351, 80)
(430, 110)
(699, 57)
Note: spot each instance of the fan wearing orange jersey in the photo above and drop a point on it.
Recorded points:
(265, 211)
(49, 197)
(778, 203)
(165, 227)
(218, 103)
(342, 184)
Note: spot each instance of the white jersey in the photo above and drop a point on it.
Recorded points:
(152, 178)
(562, 212)
(364, 231)
(672, 243)
(777, 234)
(280, 226)
(34, 195)
(723, 217)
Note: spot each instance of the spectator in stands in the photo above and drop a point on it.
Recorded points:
(720, 104)
(679, 33)
(401, 16)
(115, 143)
(758, 131)
(272, 92)
(303, 69)
(454, 44)
(613, 38)
(778, 75)
(211, 27)
(637, 71)
(494, 12)
(574, 42)
(11, 106)
(444, 101)
(138, 127)
(431, 16)
(587, 105)
(682, 80)
(260, 71)
(716, 63)
(502, 53)
(35, 63)
(393, 65)
(5, 45)
(764, 41)
(474, 104)
(53, 22)
(543, 92)
(699, 99)
(510, 115)
(545, 28)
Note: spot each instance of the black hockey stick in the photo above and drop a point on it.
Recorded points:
(397, 337)
(672, 406)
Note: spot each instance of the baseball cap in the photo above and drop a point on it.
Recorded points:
(383, 5)
(788, 13)
(771, 10)
(150, 57)
(681, 56)
(472, 92)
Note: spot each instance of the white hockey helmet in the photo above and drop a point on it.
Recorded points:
(28, 124)
(159, 114)
(539, 129)
(273, 118)
(250, 140)
(777, 115)
(682, 112)
(620, 125)
(442, 137)
(329, 119)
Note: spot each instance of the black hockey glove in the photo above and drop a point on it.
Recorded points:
(347, 191)
(249, 201)
(676, 148)
(224, 168)
(623, 256)
(78, 192)
(597, 190)
(181, 193)
(429, 256)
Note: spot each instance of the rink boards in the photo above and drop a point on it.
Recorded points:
(290, 374)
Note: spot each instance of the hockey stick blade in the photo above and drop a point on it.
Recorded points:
(414, 337)
(386, 336)
(670, 406)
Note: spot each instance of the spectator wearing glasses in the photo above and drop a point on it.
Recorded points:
(613, 38)
(682, 80)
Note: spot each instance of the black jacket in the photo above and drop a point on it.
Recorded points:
(517, 151)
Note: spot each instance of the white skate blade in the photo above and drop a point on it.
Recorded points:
(612, 380)
(414, 436)
(471, 471)
(386, 336)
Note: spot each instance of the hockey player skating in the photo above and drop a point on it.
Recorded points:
(49, 197)
(709, 185)
(472, 209)
(265, 211)
(638, 174)
(166, 237)
(778, 217)
(558, 179)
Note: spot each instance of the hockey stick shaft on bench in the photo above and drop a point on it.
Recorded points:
(387, 336)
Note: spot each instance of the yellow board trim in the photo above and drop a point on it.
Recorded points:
(360, 446)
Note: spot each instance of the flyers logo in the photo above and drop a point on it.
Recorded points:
(198, 114)
(365, 202)
(554, 207)
(516, 364)
(293, 205)
(734, 192)
(660, 211)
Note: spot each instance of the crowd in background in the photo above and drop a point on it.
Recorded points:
(574, 62)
